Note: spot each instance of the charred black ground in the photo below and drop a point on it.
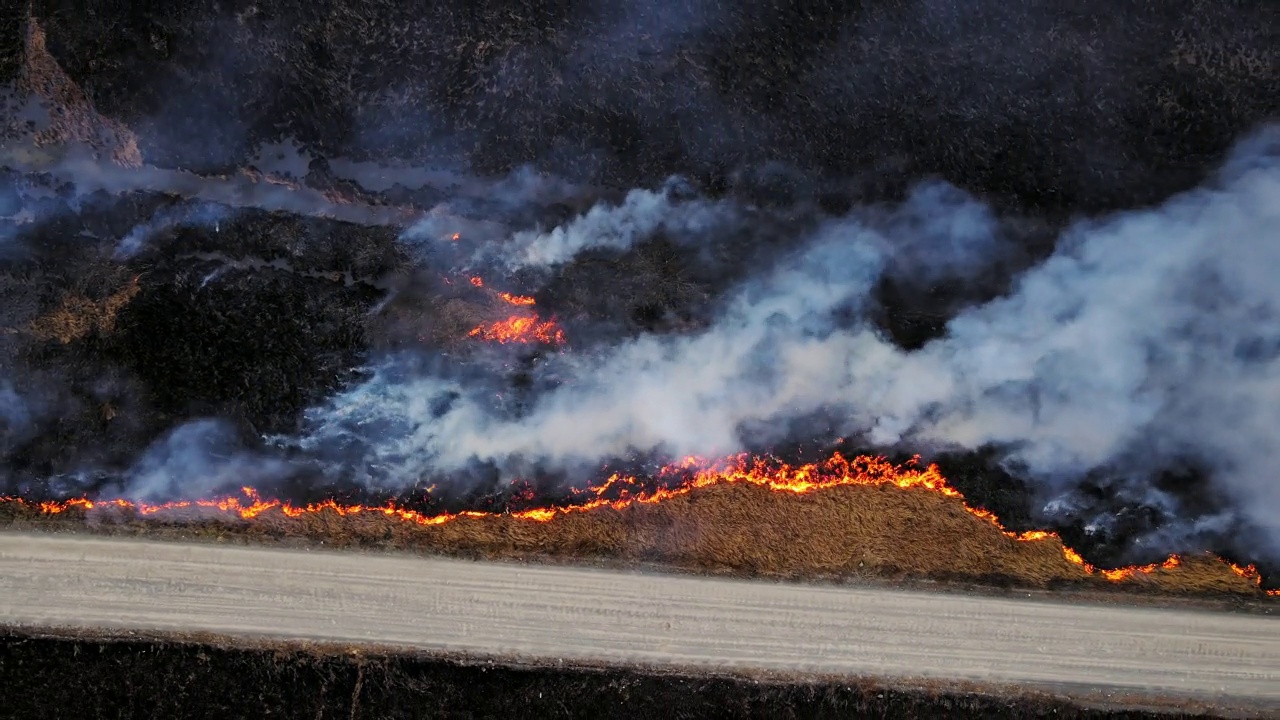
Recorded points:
(1044, 110)
(66, 677)
(1062, 108)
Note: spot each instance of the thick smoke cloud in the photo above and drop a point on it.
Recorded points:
(681, 395)
(1149, 339)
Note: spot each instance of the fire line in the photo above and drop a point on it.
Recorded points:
(620, 491)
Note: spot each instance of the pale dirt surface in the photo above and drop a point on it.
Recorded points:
(591, 615)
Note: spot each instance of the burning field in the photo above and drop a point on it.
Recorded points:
(996, 305)
(838, 519)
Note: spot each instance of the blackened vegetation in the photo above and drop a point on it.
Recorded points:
(250, 319)
(1037, 106)
(1060, 108)
(12, 17)
(653, 289)
(270, 351)
(56, 677)
(258, 344)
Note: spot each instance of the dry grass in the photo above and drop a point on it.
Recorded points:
(78, 316)
(73, 117)
(836, 533)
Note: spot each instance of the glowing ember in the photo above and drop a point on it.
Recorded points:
(525, 329)
(520, 329)
(456, 237)
(621, 491)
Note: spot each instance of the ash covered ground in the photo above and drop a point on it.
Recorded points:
(1032, 243)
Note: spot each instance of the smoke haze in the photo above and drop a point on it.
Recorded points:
(1148, 340)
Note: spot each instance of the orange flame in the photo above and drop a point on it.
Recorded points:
(520, 329)
(620, 491)
(522, 300)
(456, 237)
(1250, 573)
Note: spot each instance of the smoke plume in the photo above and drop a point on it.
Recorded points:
(641, 214)
(197, 459)
(166, 220)
(1149, 339)
(14, 414)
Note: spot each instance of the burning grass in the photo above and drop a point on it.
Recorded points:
(861, 518)
(525, 327)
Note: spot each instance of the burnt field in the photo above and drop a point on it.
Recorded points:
(350, 253)
(1093, 107)
(94, 677)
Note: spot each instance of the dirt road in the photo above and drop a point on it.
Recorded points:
(598, 615)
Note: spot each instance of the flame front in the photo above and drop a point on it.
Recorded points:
(620, 491)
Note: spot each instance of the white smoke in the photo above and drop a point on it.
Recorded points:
(683, 395)
(206, 215)
(196, 460)
(15, 415)
(1148, 338)
(482, 211)
(618, 227)
(77, 167)
(941, 232)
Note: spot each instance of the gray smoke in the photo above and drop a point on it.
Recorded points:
(673, 210)
(15, 415)
(618, 227)
(77, 167)
(205, 215)
(524, 185)
(483, 210)
(1149, 338)
(196, 460)
(941, 232)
